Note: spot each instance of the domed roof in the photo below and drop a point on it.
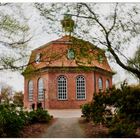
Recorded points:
(69, 51)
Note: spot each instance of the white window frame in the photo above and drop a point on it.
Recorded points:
(107, 84)
(100, 83)
(40, 89)
(62, 88)
(78, 88)
(30, 90)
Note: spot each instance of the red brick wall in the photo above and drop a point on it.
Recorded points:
(50, 79)
(50, 82)
(71, 102)
(35, 79)
(104, 78)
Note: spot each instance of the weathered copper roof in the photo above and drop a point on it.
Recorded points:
(54, 54)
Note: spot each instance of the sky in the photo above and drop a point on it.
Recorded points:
(16, 80)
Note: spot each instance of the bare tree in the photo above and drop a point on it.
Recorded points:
(18, 98)
(6, 93)
(114, 30)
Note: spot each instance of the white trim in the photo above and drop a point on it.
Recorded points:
(62, 99)
(42, 95)
(84, 87)
(100, 78)
(30, 97)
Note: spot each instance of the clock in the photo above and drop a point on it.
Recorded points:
(70, 54)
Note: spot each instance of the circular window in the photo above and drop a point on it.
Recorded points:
(37, 58)
(70, 54)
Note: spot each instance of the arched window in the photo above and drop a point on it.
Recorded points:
(80, 88)
(100, 84)
(40, 89)
(62, 88)
(30, 90)
(107, 84)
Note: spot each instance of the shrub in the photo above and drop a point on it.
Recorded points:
(126, 101)
(98, 108)
(122, 129)
(39, 116)
(10, 121)
(86, 111)
(43, 115)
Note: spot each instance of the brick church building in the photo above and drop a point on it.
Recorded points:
(65, 73)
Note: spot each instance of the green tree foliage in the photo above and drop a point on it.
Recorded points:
(86, 111)
(136, 60)
(12, 121)
(40, 116)
(14, 32)
(125, 120)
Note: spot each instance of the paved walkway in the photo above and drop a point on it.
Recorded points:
(66, 124)
(65, 113)
(64, 128)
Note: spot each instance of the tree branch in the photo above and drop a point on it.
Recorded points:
(95, 17)
(114, 21)
(79, 16)
(128, 68)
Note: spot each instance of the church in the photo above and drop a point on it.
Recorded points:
(65, 73)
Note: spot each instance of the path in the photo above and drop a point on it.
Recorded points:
(64, 128)
(65, 113)
(66, 125)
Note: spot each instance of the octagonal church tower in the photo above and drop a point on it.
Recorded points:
(65, 73)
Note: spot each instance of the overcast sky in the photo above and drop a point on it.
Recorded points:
(16, 80)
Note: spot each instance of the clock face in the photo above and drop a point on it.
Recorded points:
(70, 54)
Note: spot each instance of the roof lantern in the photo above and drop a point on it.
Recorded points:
(67, 24)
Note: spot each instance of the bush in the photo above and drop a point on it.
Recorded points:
(122, 130)
(41, 116)
(126, 101)
(86, 111)
(10, 121)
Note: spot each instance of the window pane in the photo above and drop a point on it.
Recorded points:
(100, 84)
(40, 89)
(30, 90)
(62, 88)
(107, 84)
(80, 87)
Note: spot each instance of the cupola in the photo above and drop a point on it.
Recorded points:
(67, 24)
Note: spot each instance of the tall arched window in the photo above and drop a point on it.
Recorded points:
(30, 90)
(40, 89)
(100, 84)
(107, 84)
(62, 88)
(80, 88)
